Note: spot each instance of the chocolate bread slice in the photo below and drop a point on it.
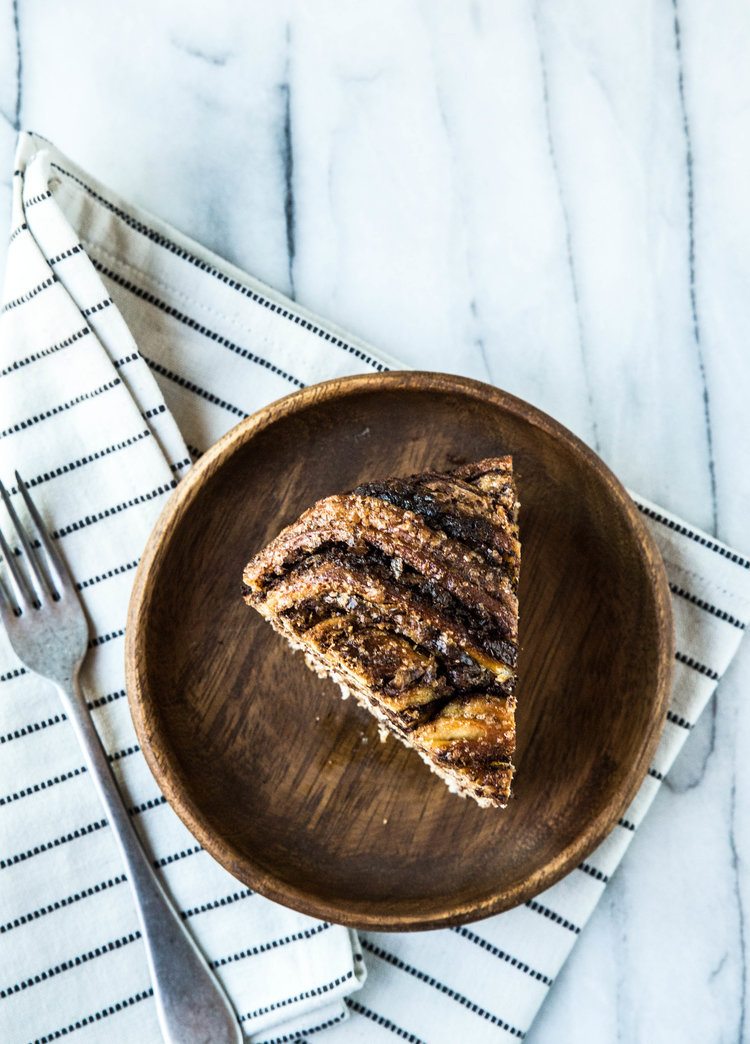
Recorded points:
(405, 592)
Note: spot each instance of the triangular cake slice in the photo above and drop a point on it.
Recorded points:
(404, 592)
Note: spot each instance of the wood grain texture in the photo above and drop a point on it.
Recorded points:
(287, 785)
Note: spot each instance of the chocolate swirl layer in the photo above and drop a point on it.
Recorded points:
(405, 592)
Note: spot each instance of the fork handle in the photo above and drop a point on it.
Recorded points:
(191, 1005)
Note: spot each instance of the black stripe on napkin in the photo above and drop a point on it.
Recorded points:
(146, 806)
(245, 291)
(70, 252)
(593, 872)
(677, 720)
(429, 980)
(127, 752)
(698, 538)
(28, 296)
(90, 520)
(15, 673)
(196, 389)
(44, 352)
(91, 582)
(97, 1016)
(154, 411)
(273, 944)
(226, 900)
(45, 846)
(381, 1020)
(64, 777)
(73, 962)
(33, 200)
(33, 726)
(701, 668)
(61, 408)
(103, 886)
(107, 575)
(98, 307)
(61, 904)
(707, 607)
(176, 856)
(79, 462)
(125, 360)
(186, 320)
(485, 944)
(109, 697)
(544, 911)
(102, 639)
(79, 832)
(316, 991)
(45, 784)
(294, 1038)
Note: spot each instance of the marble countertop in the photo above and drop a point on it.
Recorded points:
(551, 197)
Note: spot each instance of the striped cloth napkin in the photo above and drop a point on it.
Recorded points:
(127, 350)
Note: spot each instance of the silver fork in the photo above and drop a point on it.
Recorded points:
(47, 628)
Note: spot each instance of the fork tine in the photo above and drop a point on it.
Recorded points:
(58, 570)
(7, 608)
(38, 584)
(20, 589)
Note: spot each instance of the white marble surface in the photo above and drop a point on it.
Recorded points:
(552, 197)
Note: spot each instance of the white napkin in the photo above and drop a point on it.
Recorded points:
(127, 350)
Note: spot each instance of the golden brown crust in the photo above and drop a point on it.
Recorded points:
(405, 592)
(359, 521)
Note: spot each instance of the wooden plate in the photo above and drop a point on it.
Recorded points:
(287, 785)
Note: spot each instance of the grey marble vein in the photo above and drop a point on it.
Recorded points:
(568, 238)
(737, 888)
(688, 774)
(479, 341)
(476, 335)
(287, 159)
(19, 67)
(689, 172)
(217, 59)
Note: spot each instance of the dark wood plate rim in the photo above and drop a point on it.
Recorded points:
(170, 777)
